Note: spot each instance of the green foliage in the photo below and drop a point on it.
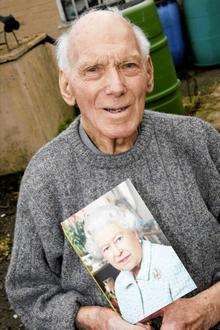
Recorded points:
(67, 122)
(64, 125)
(76, 236)
(5, 247)
(79, 235)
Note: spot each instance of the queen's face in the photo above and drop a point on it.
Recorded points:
(120, 247)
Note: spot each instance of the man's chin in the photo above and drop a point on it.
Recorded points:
(122, 132)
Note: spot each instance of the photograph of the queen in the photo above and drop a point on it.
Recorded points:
(128, 255)
(151, 275)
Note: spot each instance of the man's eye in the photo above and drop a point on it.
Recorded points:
(130, 65)
(92, 69)
(96, 69)
(93, 72)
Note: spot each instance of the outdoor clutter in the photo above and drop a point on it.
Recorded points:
(10, 24)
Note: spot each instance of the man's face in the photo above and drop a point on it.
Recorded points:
(109, 80)
(120, 247)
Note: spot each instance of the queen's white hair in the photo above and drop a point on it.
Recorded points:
(105, 215)
(63, 42)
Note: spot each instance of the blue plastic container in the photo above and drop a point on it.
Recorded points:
(203, 25)
(169, 14)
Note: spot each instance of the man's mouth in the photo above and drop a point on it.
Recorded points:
(116, 110)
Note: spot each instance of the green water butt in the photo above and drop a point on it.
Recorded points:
(166, 94)
(170, 102)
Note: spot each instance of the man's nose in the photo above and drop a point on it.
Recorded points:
(115, 83)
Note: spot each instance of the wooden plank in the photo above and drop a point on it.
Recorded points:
(22, 49)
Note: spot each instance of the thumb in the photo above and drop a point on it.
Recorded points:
(168, 326)
(146, 326)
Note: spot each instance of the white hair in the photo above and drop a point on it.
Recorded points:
(63, 41)
(105, 215)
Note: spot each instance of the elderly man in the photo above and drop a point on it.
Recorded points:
(172, 160)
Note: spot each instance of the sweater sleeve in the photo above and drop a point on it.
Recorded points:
(33, 282)
(213, 139)
(200, 144)
(213, 144)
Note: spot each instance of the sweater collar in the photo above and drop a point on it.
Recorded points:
(85, 155)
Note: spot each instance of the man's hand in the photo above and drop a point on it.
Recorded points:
(102, 318)
(198, 313)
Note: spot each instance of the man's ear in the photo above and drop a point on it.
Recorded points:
(65, 88)
(149, 74)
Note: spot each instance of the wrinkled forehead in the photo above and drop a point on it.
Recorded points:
(102, 35)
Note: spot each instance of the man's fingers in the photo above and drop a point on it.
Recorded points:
(172, 326)
(146, 326)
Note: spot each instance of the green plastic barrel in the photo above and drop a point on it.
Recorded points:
(203, 25)
(166, 95)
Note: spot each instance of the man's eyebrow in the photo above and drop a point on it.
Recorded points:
(135, 57)
(102, 61)
(89, 63)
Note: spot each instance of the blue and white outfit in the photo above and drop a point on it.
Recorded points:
(162, 279)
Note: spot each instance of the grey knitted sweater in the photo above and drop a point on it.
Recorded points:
(174, 165)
